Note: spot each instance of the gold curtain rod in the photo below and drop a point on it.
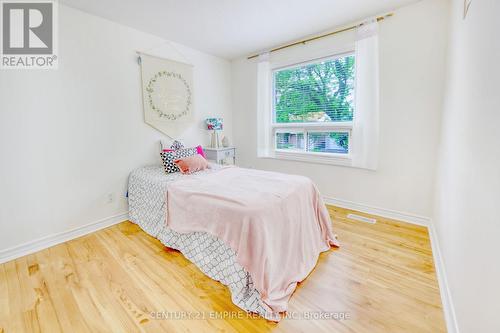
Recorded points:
(303, 41)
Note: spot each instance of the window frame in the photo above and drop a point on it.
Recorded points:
(306, 127)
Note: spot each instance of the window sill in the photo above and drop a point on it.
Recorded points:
(311, 158)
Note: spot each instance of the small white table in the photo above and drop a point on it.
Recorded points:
(219, 155)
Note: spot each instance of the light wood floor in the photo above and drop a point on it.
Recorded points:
(112, 280)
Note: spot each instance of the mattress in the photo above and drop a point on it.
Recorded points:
(147, 208)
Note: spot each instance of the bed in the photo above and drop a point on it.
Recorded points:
(148, 207)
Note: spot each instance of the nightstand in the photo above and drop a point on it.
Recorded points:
(219, 155)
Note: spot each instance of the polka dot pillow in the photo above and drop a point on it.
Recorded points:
(176, 145)
(168, 158)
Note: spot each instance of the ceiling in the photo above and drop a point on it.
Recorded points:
(234, 28)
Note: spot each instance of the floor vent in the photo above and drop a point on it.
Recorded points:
(361, 218)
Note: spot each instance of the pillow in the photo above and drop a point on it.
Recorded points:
(168, 158)
(191, 164)
(201, 152)
(176, 145)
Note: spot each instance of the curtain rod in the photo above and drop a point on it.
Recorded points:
(303, 41)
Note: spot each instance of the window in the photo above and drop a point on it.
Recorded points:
(320, 103)
(313, 107)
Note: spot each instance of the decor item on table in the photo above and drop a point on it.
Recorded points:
(191, 164)
(225, 142)
(214, 124)
(167, 89)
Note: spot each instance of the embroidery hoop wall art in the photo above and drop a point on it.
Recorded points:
(167, 91)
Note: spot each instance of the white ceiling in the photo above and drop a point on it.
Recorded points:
(234, 28)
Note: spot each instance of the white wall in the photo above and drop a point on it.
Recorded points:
(70, 137)
(468, 183)
(412, 48)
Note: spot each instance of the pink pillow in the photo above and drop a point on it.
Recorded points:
(191, 164)
(200, 151)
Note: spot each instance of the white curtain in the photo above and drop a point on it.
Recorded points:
(263, 105)
(365, 134)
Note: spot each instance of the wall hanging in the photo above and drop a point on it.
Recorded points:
(167, 91)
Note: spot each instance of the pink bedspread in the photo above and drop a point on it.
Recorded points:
(276, 223)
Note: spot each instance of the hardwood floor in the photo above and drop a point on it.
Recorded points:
(382, 279)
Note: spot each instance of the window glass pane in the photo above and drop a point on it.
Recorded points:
(316, 92)
(328, 142)
(290, 141)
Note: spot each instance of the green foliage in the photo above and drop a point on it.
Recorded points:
(308, 93)
(342, 139)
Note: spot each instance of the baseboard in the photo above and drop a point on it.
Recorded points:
(448, 308)
(382, 212)
(54, 239)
